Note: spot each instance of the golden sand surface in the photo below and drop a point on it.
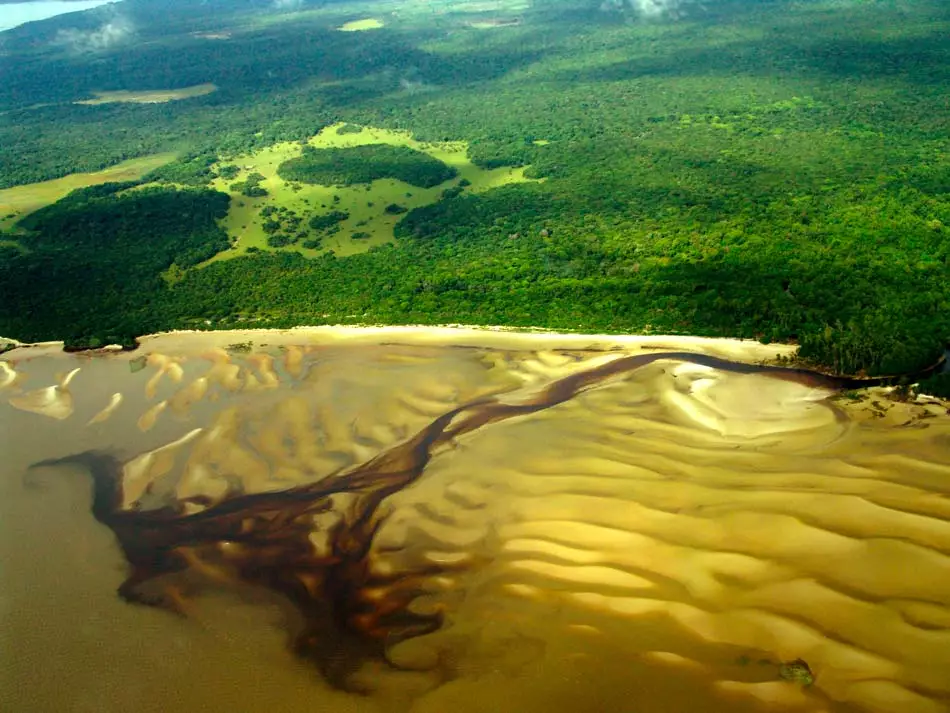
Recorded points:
(430, 520)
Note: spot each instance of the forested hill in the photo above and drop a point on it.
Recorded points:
(760, 168)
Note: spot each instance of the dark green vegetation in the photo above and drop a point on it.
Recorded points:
(283, 226)
(329, 220)
(250, 186)
(228, 171)
(95, 258)
(768, 169)
(797, 671)
(938, 385)
(192, 169)
(323, 224)
(365, 164)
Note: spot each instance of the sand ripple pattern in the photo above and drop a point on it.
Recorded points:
(666, 539)
(618, 526)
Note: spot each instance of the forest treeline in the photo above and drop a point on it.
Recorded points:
(775, 170)
(93, 263)
(506, 257)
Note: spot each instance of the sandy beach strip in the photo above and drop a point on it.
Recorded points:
(492, 337)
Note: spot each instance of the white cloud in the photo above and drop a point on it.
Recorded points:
(113, 32)
(649, 9)
(655, 8)
(287, 4)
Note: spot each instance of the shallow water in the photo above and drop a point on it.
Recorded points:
(20, 13)
(423, 527)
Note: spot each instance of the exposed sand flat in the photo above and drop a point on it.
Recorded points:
(212, 35)
(481, 6)
(186, 341)
(151, 96)
(54, 401)
(599, 529)
(494, 23)
(114, 402)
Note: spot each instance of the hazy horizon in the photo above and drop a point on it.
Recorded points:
(20, 13)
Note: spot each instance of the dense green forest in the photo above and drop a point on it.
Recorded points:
(93, 262)
(365, 164)
(765, 168)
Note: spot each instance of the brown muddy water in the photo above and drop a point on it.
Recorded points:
(416, 522)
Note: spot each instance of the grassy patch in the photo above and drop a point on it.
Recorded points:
(4, 243)
(19, 201)
(151, 96)
(365, 204)
(369, 23)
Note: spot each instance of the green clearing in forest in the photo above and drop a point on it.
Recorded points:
(13, 244)
(370, 23)
(365, 203)
(19, 201)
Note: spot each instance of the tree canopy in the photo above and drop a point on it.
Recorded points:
(775, 170)
(365, 164)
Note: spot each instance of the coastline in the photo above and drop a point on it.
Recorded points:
(222, 342)
(489, 336)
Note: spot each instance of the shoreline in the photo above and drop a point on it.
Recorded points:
(443, 334)
(748, 351)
